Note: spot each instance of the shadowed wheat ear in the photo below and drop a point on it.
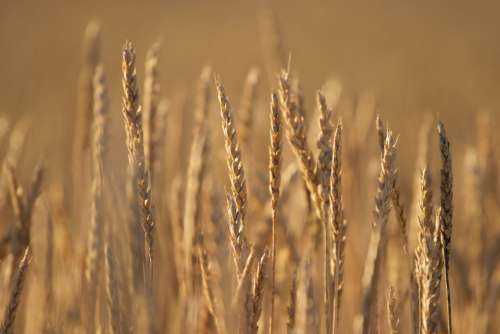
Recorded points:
(371, 271)
(135, 144)
(446, 211)
(324, 175)
(296, 134)
(274, 188)
(9, 317)
(96, 210)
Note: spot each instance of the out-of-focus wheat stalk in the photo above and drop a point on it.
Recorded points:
(94, 248)
(112, 296)
(85, 104)
(248, 105)
(9, 316)
(151, 102)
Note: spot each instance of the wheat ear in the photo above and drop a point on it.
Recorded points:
(378, 238)
(274, 188)
(296, 134)
(133, 124)
(446, 211)
(234, 160)
(324, 175)
(428, 260)
(339, 224)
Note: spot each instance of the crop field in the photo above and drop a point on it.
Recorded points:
(249, 167)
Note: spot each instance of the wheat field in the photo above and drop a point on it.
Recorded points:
(225, 175)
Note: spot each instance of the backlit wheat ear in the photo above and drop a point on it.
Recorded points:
(133, 124)
(296, 135)
(446, 213)
(233, 153)
(428, 264)
(378, 238)
(395, 194)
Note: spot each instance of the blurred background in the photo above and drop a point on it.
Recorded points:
(432, 56)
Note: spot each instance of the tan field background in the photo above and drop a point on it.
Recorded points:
(440, 58)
